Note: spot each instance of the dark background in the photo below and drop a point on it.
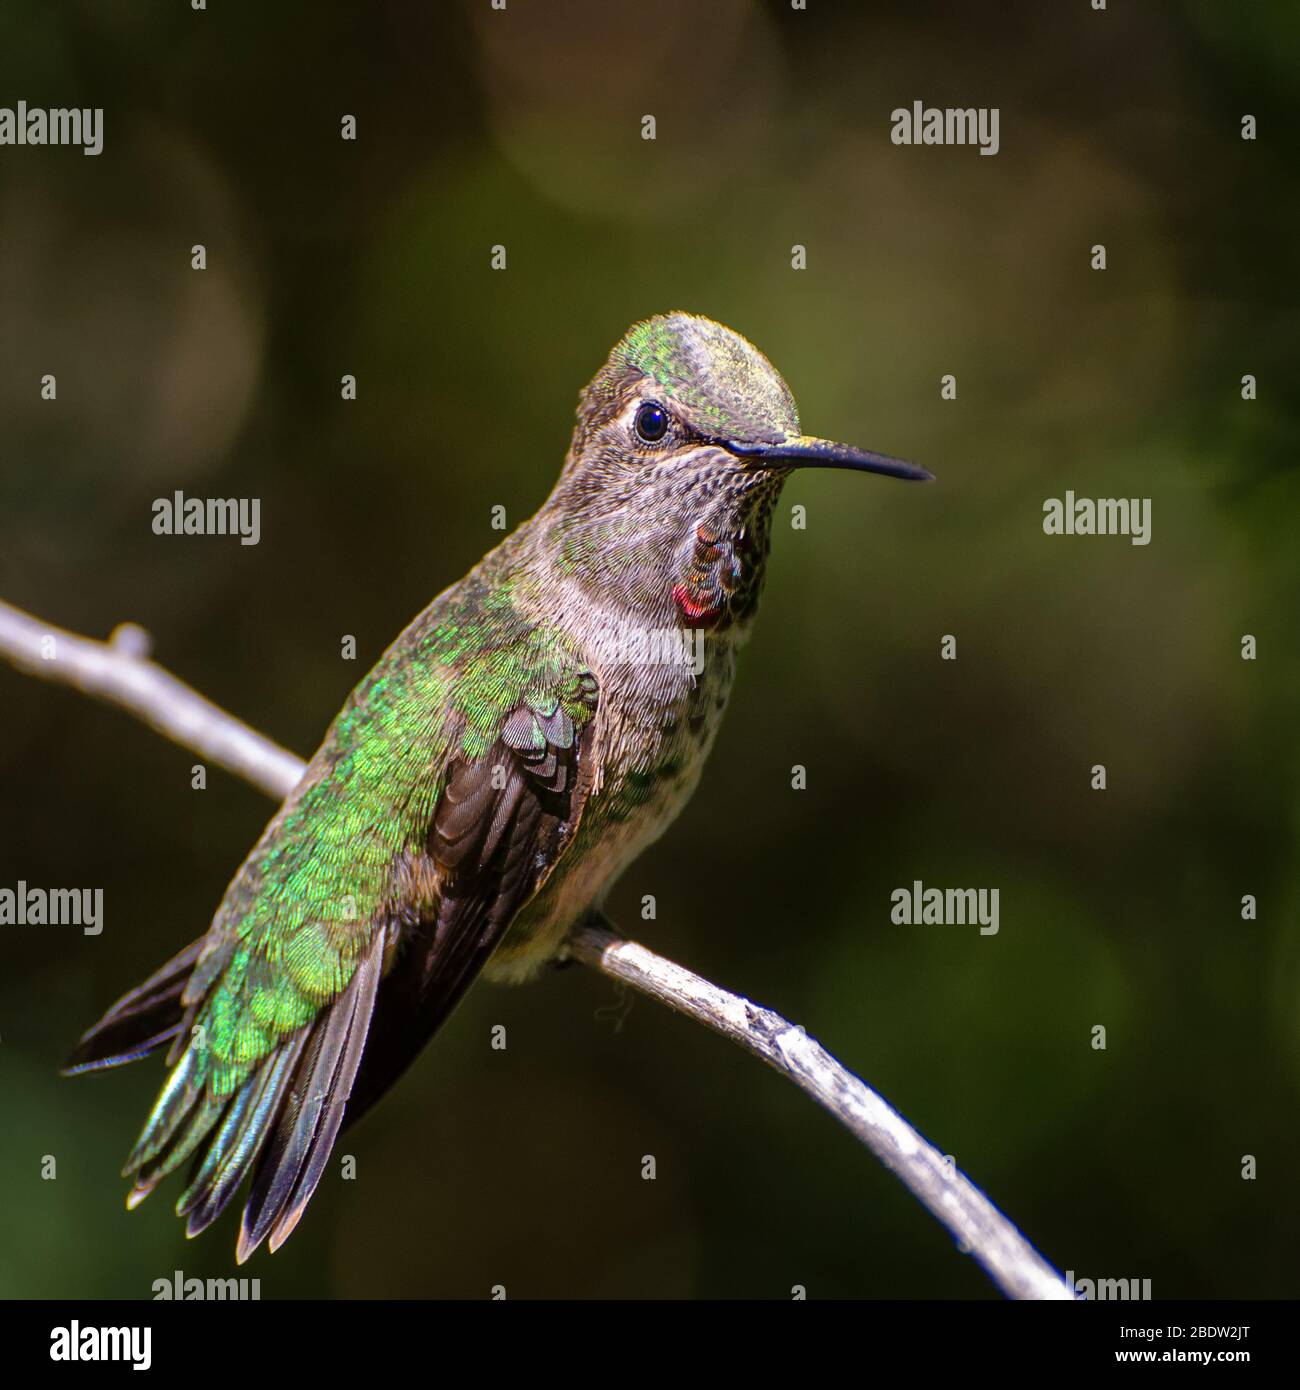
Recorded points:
(1119, 908)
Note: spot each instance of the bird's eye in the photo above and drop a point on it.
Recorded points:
(651, 423)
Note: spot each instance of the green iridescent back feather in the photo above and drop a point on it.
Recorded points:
(306, 902)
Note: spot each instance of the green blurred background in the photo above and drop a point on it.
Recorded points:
(522, 127)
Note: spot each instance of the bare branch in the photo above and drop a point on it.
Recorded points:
(121, 673)
(979, 1227)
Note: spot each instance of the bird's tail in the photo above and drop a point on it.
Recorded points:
(279, 1124)
(150, 1017)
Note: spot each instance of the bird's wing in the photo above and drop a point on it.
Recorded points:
(503, 821)
(298, 1012)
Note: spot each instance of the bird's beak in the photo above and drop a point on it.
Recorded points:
(806, 451)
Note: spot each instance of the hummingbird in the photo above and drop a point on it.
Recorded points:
(519, 744)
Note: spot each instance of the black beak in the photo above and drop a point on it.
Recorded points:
(806, 451)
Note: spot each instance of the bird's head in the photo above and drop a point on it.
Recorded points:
(686, 426)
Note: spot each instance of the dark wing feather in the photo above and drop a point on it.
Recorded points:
(140, 1022)
(496, 844)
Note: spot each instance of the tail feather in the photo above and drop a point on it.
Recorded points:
(280, 1125)
(140, 1022)
(234, 1150)
(183, 1092)
(193, 1129)
(293, 1162)
(225, 1142)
